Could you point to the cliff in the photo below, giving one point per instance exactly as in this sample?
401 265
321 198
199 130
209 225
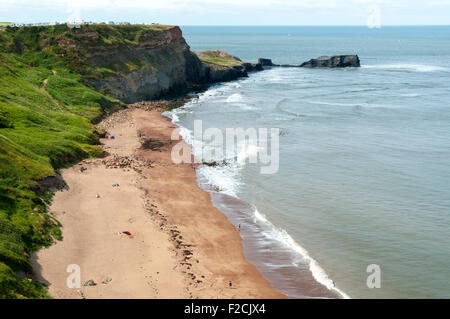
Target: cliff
55 82
135 63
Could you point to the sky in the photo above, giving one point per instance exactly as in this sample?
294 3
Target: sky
232 12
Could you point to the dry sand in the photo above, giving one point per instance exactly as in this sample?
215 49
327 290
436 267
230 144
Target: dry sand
181 245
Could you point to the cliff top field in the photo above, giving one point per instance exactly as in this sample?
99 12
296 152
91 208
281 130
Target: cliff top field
218 57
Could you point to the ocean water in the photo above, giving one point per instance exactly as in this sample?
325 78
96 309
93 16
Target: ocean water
364 173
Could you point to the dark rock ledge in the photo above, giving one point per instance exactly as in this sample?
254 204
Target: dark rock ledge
334 61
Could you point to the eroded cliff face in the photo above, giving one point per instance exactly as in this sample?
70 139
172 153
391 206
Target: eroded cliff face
142 63
152 64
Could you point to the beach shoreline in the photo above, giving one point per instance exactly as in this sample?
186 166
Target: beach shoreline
288 266
180 246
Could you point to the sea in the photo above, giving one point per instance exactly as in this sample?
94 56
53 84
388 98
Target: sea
360 204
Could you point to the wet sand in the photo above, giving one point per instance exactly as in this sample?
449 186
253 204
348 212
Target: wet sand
287 270
181 245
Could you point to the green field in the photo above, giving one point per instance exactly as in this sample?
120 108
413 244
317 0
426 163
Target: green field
38 137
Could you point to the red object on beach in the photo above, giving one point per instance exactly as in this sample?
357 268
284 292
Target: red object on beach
127 233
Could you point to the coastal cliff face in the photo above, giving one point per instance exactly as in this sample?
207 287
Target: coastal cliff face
146 62
150 64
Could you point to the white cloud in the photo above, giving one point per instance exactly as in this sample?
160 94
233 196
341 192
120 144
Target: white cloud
226 11
171 4
160 4
438 3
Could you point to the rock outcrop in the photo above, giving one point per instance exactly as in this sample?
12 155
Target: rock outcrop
146 62
266 62
252 67
335 61
219 73
221 66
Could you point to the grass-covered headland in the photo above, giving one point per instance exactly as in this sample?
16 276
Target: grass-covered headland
47 112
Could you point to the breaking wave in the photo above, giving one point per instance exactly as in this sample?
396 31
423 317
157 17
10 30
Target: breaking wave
406 67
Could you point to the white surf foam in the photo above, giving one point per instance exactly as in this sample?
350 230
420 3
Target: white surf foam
232 85
234 98
337 104
406 67
227 177
284 238
246 151
410 94
246 107
274 79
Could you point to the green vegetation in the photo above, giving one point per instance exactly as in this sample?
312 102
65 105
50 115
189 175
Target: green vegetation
220 61
218 57
39 134
3 24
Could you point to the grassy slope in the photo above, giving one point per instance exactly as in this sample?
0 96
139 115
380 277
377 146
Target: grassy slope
36 137
218 57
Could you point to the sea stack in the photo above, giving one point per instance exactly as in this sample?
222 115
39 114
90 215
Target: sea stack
335 61
265 62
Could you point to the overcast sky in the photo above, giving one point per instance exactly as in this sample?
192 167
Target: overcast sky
230 12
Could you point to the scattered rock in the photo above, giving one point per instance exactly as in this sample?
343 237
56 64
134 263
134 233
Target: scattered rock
90 282
125 162
153 144
215 163
151 105
54 183
106 280
187 252
81 294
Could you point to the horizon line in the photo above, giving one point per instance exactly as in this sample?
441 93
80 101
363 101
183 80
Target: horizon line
264 25
311 25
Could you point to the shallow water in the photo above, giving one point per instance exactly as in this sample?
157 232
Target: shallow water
364 175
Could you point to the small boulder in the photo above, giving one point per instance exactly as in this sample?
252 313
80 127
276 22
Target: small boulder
90 282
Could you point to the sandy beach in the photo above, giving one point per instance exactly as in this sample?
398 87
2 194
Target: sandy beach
180 246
